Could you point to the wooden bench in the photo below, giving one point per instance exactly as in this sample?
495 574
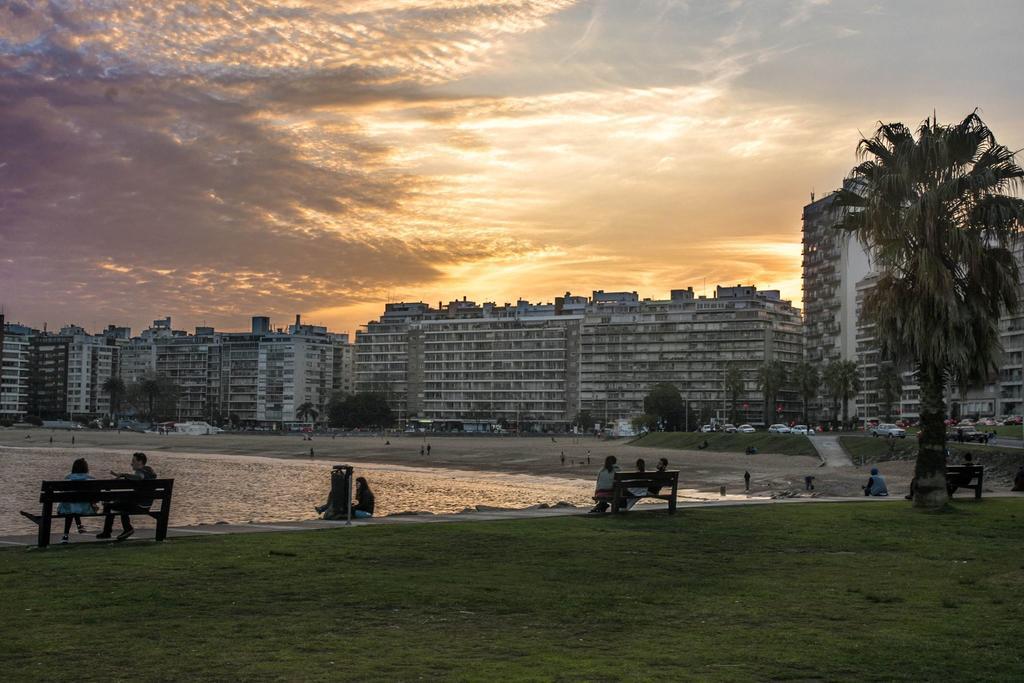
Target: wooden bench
650 482
121 492
961 476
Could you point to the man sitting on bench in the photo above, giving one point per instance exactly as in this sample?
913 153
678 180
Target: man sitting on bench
140 470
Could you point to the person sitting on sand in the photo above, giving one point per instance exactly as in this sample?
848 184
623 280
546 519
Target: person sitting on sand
876 484
605 485
363 506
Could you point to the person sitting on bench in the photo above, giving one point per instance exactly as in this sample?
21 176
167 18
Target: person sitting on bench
1018 480
876 484
662 466
79 472
605 485
140 470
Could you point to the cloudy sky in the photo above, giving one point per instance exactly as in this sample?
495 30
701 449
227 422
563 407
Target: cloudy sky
215 160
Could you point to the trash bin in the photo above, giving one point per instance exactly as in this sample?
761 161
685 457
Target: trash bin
341 492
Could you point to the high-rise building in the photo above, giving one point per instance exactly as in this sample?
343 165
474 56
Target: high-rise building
833 263
629 345
474 363
14 370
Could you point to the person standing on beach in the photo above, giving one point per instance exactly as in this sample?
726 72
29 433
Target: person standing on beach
428 450
563 458
746 481
421 451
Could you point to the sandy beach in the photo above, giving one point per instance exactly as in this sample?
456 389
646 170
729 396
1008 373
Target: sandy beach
703 470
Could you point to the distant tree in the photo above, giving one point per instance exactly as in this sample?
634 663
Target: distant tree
771 377
842 380
154 395
808 382
234 420
734 387
890 388
307 412
360 410
115 388
664 402
644 423
584 421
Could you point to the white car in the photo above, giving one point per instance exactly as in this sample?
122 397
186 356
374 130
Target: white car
729 429
778 429
745 429
707 429
801 429
887 429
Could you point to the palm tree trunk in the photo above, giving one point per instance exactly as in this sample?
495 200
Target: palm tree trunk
930 470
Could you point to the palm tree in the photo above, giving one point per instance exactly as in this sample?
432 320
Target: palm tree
152 389
770 378
307 412
936 213
842 380
890 388
734 386
807 381
115 388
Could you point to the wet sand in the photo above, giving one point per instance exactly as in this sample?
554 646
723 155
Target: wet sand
700 470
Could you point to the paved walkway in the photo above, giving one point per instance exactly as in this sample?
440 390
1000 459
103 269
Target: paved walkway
830 452
146 533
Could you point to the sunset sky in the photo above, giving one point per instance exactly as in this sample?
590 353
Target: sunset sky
217 160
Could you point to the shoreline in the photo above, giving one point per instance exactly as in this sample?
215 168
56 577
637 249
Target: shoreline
702 471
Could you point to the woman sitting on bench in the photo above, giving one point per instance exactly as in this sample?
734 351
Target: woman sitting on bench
605 485
79 472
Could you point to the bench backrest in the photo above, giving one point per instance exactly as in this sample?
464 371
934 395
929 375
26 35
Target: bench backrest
647 478
107 490
964 469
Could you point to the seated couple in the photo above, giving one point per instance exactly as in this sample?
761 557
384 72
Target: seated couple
72 511
606 484
361 508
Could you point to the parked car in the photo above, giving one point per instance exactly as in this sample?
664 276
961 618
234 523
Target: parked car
967 434
987 422
778 429
729 429
706 429
745 429
801 429
888 429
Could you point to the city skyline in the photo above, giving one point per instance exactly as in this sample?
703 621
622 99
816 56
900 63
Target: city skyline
212 163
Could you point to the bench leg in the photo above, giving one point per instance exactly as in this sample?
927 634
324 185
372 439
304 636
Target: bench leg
44 525
161 521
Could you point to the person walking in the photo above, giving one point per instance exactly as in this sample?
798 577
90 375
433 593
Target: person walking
428 450
746 481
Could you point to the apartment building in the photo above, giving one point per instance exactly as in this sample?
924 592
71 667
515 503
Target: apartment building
14 370
466 362
629 345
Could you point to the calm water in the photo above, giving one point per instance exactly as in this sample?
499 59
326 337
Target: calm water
226 488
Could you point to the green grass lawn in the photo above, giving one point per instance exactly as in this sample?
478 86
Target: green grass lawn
784 444
810 591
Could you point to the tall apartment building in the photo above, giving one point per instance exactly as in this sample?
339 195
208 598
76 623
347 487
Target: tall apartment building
293 369
541 364
629 345
14 370
193 363
467 362
91 362
833 263
837 272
